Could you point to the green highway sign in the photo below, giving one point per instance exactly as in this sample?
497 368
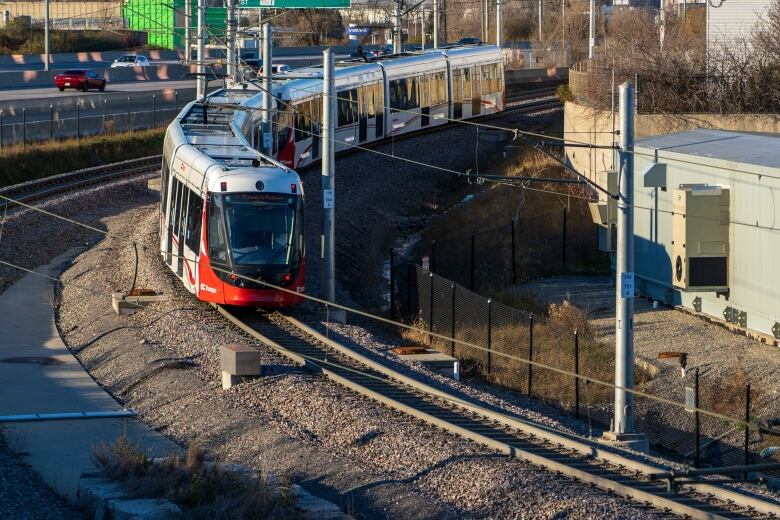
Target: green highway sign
294 4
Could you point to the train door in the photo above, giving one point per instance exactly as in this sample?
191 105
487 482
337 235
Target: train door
476 98
303 133
181 209
164 179
363 96
173 210
425 100
457 93
347 109
440 108
316 129
191 232
379 109
466 99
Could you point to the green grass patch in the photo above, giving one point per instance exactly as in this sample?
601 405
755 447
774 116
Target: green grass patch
36 161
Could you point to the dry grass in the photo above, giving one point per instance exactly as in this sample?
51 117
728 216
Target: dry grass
203 490
35 161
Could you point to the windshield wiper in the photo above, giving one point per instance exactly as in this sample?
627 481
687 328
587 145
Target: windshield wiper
275 256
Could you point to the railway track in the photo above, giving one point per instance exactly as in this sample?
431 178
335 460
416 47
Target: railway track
42 188
560 454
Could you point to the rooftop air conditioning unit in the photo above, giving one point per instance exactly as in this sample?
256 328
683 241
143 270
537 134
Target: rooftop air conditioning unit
700 238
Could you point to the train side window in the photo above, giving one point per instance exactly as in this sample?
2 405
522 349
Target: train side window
181 218
174 213
412 92
215 234
347 107
397 92
302 121
425 90
284 123
466 85
164 177
194 218
371 101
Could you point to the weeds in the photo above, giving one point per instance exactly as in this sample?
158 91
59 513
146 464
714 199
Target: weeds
203 490
35 161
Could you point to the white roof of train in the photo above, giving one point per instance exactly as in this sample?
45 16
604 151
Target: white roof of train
217 151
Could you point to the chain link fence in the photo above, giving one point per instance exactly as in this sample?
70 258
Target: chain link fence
80 117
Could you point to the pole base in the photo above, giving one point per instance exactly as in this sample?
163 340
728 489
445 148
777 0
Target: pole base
629 441
338 316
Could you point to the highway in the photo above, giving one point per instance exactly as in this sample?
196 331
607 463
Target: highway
132 88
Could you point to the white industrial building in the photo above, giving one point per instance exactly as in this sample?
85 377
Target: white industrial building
707 225
729 21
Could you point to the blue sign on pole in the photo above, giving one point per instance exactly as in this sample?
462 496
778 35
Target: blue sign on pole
358 31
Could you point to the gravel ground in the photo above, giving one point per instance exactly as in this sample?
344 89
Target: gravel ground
25 496
30 239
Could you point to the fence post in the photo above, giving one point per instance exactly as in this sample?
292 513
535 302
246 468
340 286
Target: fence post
51 122
563 236
392 284
128 113
696 457
78 120
154 111
24 127
576 373
471 276
433 256
514 259
530 352
452 323
490 336
410 275
430 308
1 132
747 426
176 100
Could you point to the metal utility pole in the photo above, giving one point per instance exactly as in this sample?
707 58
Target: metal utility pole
499 23
685 8
624 276
201 83
46 36
541 18
328 177
592 32
435 24
231 39
397 27
422 32
267 89
187 30
563 31
662 21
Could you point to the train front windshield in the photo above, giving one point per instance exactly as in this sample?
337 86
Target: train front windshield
260 228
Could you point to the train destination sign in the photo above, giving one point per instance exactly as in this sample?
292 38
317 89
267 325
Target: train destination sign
294 4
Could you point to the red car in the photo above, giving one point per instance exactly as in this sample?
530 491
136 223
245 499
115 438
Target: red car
80 80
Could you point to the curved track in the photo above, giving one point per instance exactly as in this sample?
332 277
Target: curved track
579 460
42 188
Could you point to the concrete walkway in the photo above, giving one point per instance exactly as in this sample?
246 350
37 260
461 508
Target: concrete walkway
39 375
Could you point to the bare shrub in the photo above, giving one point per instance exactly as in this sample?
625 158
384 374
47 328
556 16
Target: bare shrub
203 490
416 335
569 317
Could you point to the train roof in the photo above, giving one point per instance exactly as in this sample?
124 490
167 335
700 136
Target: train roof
212 144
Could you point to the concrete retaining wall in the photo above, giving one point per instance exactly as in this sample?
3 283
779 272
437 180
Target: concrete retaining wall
582 124
83 57
537 75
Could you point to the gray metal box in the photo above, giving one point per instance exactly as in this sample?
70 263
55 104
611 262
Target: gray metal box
239 360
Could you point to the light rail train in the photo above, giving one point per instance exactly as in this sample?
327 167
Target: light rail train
385 97
230 215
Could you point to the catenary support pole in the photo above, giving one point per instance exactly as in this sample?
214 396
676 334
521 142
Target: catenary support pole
592 31
46 36
563 32
201 68
328 175
435 24
499 23
187 30
267 97
697 418
624 276
231 39
541 18
397 27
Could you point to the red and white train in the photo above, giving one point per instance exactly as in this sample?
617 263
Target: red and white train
385 97
229 215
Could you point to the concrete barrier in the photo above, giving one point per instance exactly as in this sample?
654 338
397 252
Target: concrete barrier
84 57
536 75
42 78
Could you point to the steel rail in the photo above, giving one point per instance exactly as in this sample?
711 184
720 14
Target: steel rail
585 462
48 186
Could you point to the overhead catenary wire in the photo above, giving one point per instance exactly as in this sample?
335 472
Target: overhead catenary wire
388 321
